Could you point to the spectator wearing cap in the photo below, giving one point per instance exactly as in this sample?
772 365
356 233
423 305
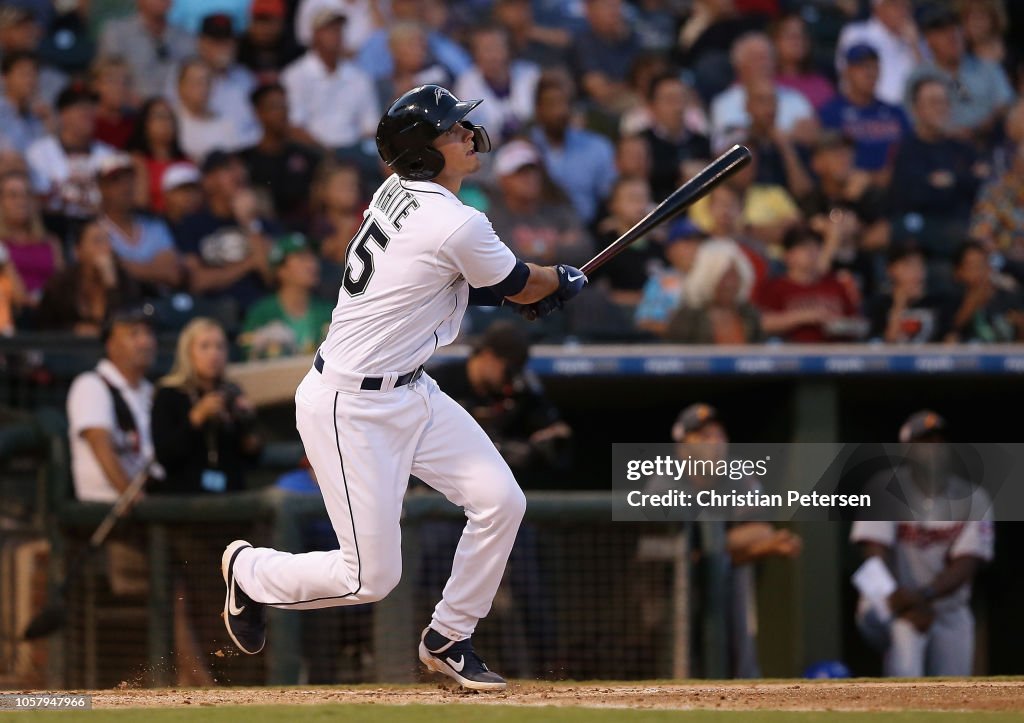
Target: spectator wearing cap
21 31
412 63
142 244
543 45
291 320
321 85
796 62
892 33
988 308
226 243
149 43
200 129
935 176
79 297
979 91
374 56
265 48
907 313
182 194
805 305
665 290
670 143
582 163
154 148
753 59
507 85
22 120
602 53
278 164
876 127
364 17
537 226
34 256
944 536
717 307
111 80
64 164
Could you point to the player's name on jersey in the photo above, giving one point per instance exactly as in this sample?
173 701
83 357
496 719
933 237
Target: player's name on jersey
749 498
395 202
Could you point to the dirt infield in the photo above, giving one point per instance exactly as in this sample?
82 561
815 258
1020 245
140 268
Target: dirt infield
948 695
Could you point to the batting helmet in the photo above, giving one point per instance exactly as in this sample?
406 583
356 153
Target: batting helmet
406 130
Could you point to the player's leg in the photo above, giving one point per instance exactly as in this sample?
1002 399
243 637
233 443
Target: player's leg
951 643
907 647
360 447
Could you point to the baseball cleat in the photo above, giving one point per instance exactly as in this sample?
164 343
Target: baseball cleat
245 619
457 660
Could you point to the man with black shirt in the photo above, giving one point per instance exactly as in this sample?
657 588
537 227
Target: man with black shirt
669 141
265 48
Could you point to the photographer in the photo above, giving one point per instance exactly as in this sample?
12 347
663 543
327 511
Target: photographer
196 409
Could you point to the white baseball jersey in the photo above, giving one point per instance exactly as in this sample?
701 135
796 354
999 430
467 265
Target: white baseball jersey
408 272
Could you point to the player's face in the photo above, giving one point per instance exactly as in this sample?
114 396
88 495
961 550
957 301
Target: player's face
456 145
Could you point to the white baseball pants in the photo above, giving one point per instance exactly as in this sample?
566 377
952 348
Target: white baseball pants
363 445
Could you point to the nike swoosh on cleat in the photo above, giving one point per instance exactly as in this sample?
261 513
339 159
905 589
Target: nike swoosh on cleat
457 666
232 610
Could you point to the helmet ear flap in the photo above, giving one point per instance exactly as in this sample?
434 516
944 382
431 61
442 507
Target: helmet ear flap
423 166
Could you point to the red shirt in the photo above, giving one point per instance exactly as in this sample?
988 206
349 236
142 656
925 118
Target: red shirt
117 132
784 294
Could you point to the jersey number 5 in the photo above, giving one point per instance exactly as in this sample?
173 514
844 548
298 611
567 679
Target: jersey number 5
355 283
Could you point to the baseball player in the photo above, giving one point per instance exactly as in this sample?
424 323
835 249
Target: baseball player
369 416
931 628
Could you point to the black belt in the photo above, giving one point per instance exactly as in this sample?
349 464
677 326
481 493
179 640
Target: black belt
373 383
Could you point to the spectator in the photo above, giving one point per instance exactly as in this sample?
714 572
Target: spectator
374 56
142 244
150 45
546 47
278 164
927 628
796 65
908 313
111 81
706 40
778 161
338 203
200 129
64 164
413 65
753 59
722 214
935 177
986 309
979 91
633 157
190 14
806 305
603 52
671 144
226 243
580 162
654 23
998 216
21 32
891 32
875 126
265 48
290 321
321 85
34 254
154 147
985 23
363 18
507 86
626 275
665 290
182 194
717 308
109 409
203 424
22 116
79 297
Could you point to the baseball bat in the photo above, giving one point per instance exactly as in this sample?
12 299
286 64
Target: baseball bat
680 199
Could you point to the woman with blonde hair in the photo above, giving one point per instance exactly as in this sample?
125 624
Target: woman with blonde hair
203 426
718 308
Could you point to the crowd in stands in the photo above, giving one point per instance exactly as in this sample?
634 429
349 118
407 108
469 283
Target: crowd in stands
214 157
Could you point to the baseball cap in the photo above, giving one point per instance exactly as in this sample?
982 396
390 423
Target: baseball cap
920 424
508 342
287 245
515 156
178 175
218 26
684 229
326 16
859 53
937 17
216 160
75 94
272 8
113 164
133 314
692 419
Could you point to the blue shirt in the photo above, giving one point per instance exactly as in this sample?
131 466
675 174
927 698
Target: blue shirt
18 130
374 57
875 129
188 14
583 166
978 90
154 238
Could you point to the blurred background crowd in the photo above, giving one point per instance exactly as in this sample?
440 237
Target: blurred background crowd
214 157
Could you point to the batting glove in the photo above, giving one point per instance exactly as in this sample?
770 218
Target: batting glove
570 282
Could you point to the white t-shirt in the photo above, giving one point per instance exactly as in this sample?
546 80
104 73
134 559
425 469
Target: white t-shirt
729 118
90 405
407 278
338 109
199 136
68 181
